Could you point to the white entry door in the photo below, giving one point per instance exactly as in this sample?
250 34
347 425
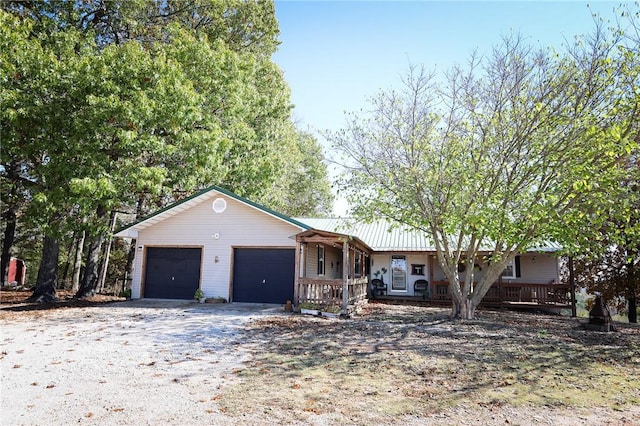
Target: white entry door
398 273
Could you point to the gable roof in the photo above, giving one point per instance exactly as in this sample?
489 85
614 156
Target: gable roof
131 230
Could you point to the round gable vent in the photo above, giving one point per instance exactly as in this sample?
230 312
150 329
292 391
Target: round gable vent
219 205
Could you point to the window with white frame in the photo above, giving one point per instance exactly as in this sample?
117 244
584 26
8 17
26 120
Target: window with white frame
320 260
512 270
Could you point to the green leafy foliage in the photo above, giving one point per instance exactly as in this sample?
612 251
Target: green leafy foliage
129 105
492 158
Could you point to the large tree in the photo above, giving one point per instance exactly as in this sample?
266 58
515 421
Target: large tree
132 104
303 189
36 99
605 245
488 158
603 237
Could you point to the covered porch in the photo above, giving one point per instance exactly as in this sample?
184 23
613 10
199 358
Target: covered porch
331 271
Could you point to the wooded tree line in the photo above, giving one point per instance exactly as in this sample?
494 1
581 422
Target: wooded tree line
123 106
521 145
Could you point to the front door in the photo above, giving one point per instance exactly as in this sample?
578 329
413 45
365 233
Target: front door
398 273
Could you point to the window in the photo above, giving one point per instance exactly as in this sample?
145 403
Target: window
509 271
320 260
512 269
357 267
417 269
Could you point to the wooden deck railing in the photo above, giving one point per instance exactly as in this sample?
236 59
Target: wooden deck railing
358 290
512 293
328 292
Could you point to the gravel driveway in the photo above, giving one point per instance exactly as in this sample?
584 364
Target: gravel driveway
136 362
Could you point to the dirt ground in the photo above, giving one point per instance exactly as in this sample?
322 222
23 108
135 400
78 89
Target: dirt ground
134 362
391 364
399 364
10 297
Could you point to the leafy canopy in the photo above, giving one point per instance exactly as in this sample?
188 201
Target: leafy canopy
488 159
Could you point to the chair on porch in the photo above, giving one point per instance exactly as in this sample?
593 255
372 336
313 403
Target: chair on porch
378 287
421 287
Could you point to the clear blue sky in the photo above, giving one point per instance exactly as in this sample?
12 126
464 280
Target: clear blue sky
336 54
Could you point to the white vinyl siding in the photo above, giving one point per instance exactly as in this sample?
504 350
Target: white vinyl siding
312 260
332 262
380 261
538 269
535 268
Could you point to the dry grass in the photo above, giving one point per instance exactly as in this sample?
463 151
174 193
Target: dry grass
398 362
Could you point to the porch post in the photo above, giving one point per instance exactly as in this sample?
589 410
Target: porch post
296 281
346 270
432 287
572 284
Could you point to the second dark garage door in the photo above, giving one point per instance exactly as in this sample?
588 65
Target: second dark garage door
263 275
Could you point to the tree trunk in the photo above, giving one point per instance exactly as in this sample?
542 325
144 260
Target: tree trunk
91 277
572 286
465 309
67 263
456 308
45 289
469 309
107 252
632 277
77 264
633 310
7 243
89 283
128 270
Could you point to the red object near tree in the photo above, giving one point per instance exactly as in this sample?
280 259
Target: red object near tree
17 271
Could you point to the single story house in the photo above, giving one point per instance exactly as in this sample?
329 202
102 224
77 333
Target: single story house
233 248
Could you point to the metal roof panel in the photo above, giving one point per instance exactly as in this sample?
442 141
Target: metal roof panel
383 236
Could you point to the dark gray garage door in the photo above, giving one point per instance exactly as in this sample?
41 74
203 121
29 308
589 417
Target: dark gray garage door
263 275
172 273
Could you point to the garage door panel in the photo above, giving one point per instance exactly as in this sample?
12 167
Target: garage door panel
172 273
263 275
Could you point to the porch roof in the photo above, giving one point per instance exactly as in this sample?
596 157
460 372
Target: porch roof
382 236
335 238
